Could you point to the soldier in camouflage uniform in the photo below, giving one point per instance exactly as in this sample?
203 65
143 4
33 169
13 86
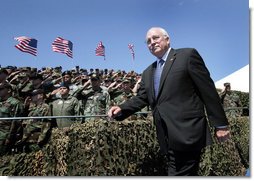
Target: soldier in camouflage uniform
9 129
3 75
36 131
24 85
125 93
96 98
122 94
229 100
66 105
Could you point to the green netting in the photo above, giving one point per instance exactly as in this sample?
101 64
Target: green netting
111 148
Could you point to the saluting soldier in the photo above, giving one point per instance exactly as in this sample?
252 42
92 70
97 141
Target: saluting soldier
66 105
36 131
96 98
9 129
125 93
3 75
230 102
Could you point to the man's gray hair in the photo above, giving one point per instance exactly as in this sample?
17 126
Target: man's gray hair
165 33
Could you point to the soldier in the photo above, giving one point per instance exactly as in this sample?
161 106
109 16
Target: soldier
9 129
66 79
107 82
66 105
124 93
3 75
36 131
25 86
230 100
38 83
96 98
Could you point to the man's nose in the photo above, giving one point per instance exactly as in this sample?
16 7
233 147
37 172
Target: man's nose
153 41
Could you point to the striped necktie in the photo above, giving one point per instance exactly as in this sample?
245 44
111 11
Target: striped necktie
157 76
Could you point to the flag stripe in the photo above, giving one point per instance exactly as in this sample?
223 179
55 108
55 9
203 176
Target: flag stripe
100 50
62 46
131 47
27 45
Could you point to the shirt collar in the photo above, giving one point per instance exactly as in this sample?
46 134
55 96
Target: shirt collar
164 57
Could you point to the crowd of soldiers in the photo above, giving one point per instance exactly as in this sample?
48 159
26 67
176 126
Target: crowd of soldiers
29 92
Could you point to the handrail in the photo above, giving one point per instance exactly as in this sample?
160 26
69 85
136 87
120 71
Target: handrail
50 117
235 108
89 116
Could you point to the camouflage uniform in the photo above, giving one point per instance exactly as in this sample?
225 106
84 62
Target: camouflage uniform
232 100
24 88
120 97
9 129
96 102
35 131
65 107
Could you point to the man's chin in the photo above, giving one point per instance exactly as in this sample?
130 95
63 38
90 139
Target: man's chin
156 54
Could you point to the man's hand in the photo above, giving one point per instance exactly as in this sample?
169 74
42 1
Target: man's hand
114 111
222 134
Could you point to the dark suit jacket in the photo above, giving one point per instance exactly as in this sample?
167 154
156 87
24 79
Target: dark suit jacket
186 95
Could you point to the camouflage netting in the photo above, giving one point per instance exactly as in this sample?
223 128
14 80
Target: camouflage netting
244 97
125 148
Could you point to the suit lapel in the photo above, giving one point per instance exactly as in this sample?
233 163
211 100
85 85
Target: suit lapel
168 64
153 67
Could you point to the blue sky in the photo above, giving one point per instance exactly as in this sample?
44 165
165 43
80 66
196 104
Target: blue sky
218 29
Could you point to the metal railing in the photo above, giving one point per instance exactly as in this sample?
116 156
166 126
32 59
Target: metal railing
89 116
57 117
235 108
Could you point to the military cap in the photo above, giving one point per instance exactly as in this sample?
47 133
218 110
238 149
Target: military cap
126 80
25 68
3 70
37 91
64 84
56 75
226 84
34 69
5 85
66 73
22 74
10 67
95 77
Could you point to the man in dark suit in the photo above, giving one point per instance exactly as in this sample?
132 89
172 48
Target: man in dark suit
178 88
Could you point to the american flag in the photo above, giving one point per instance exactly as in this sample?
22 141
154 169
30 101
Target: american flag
100 50
131 47
62 46
26 44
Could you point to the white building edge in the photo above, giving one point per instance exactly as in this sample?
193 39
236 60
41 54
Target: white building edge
239 80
